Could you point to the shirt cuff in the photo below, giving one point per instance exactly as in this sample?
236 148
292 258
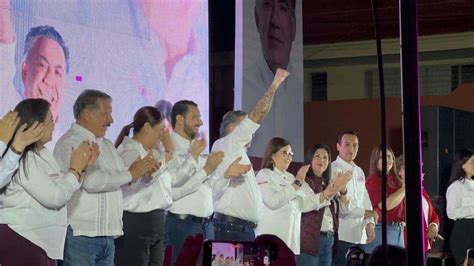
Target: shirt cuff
11 159
72 181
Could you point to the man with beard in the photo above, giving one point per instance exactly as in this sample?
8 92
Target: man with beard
192 208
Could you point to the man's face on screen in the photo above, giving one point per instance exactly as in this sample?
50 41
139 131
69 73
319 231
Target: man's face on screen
276 25
43 72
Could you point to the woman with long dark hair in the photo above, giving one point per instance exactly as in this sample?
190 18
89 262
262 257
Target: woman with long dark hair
318 227
395 199
285 196
460 204
33 216
146 199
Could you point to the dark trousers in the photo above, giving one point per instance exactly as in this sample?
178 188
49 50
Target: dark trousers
142 242
227 231
16 250
462 238
177 230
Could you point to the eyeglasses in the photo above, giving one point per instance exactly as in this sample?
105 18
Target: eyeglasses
288 153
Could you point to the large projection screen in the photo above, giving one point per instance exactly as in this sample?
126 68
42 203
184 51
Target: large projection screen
137 51
269 35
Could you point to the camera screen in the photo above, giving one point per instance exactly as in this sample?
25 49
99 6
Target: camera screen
236 253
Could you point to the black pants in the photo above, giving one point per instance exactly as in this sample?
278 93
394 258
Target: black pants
142 242
462 238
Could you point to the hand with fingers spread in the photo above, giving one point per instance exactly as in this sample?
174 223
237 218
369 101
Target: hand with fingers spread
301 174
26 136
340 181
213 161
236 169
143 167
197 147
8 125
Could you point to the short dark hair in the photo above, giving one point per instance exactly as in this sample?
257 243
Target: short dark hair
180 108
309 158
345 132
88 100
273 146
47 32
396 256
228 119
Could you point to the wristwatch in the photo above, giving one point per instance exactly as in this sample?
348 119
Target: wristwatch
297 182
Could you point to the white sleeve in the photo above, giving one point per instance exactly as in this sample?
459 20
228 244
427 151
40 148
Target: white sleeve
274 196
310 201
50 192
8 164
456 208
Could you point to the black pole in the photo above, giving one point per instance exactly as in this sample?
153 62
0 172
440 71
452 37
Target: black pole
383 125
411 130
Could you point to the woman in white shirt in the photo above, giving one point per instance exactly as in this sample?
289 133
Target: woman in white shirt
9 157
460 204
33 216
146 199
285 196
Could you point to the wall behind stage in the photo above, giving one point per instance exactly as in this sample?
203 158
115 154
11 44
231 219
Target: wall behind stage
277 37
139 52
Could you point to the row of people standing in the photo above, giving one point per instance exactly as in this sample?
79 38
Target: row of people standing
94 183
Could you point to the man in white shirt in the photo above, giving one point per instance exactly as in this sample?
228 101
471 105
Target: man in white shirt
356 222
191 211
238 199
95 211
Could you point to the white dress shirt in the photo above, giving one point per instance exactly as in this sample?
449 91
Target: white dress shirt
351 219
238 196
460 200
195 196
283 205
327 224
8 164
147 193
33 204
96 208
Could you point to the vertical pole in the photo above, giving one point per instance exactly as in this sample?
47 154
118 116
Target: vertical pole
411 130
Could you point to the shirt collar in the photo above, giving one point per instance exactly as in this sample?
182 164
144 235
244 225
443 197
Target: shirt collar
180 142
345 164
83 131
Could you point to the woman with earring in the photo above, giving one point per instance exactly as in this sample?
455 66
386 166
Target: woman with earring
319 227
33 216
285 196
146 199
395 199
460 204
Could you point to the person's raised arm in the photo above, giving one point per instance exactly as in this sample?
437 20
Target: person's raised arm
264 104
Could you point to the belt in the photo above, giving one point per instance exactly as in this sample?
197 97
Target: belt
231 219
401 224
327 234
189 217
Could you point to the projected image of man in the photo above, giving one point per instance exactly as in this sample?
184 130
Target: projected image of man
276 24
43 68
